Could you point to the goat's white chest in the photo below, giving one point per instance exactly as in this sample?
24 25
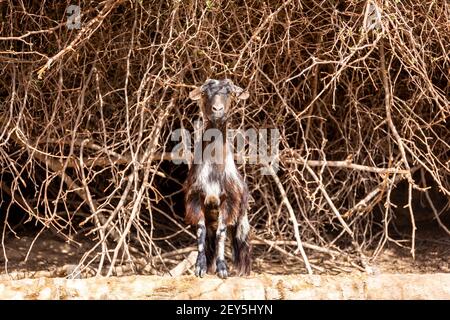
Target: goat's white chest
209 180
206 180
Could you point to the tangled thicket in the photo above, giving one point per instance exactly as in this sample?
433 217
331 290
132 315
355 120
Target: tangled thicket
358 89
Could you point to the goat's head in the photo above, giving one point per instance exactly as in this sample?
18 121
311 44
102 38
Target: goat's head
215 98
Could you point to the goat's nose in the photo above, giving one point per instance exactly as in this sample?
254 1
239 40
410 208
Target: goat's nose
217 107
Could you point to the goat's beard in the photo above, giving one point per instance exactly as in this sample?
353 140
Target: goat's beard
218 122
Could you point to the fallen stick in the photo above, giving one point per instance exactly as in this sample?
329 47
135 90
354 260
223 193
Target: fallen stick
184 265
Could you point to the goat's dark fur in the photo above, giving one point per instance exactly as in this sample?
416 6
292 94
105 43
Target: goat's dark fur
215 193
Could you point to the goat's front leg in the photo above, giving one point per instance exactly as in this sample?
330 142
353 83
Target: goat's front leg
200 265
221 266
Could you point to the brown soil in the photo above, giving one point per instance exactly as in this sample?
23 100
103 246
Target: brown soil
51 256
396 275
432 254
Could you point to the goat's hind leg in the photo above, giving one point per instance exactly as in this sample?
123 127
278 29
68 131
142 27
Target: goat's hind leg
201 264
241 246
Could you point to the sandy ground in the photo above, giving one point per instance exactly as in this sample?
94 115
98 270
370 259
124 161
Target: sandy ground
50 253
261 287
31 274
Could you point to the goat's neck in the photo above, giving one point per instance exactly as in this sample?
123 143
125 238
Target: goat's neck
222 127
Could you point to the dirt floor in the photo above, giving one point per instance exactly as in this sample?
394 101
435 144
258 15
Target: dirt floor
432 253
50 256
42 272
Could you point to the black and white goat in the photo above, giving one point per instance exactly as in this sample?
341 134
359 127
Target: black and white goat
215 192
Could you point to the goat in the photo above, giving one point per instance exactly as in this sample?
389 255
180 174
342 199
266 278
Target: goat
216 195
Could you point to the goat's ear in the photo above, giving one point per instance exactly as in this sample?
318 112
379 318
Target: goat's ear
241 94
196 94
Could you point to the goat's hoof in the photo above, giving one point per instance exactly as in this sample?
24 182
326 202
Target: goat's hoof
221 268
200 266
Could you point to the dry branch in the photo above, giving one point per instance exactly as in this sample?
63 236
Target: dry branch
359 92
